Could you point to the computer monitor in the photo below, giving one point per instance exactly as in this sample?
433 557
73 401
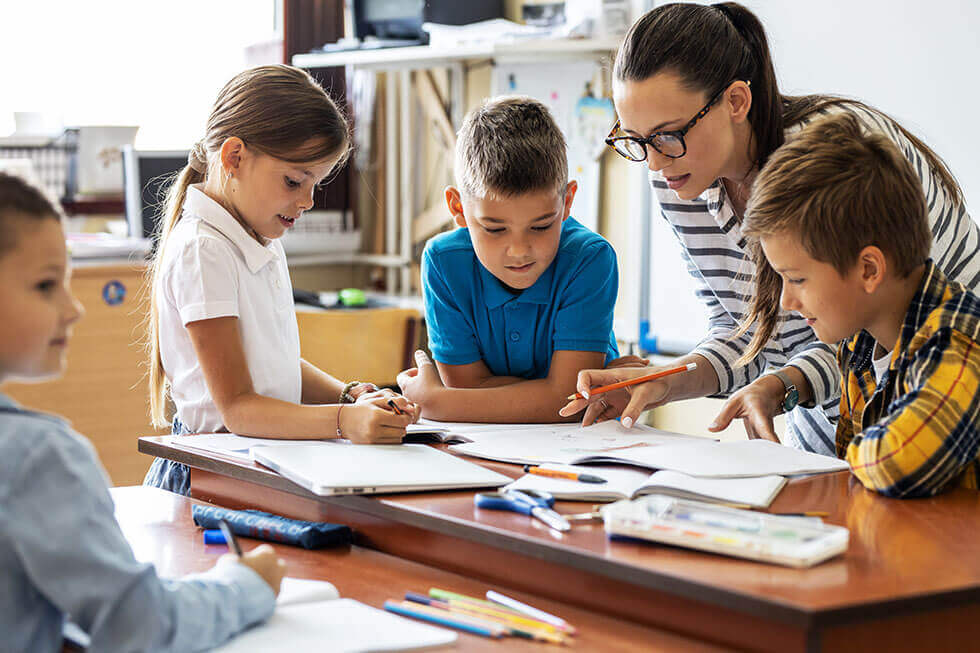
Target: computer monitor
146 177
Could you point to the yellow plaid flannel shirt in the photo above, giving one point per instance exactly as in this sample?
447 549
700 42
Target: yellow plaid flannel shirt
920 432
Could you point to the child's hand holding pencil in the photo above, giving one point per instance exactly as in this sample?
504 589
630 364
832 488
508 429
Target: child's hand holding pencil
610 393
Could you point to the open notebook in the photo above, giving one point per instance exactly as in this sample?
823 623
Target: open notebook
757 492
310 616
694 456
238 446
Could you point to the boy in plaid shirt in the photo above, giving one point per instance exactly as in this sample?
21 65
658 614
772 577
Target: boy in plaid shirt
838 222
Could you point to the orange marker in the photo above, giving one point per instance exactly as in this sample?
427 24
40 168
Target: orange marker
572 476
639 379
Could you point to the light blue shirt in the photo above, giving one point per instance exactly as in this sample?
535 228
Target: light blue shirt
64 556
470 315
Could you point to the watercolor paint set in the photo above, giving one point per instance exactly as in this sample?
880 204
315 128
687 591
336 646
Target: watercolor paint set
791 541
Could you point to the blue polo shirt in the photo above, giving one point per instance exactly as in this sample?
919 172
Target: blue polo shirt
470 315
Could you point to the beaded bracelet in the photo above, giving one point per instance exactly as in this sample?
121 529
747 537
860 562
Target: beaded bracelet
345 397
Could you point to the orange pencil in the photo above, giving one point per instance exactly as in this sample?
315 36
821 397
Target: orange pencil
639 379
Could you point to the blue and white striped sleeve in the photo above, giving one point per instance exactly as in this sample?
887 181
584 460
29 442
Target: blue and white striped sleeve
721 350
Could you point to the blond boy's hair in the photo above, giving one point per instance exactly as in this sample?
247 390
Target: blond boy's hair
510 146
839 189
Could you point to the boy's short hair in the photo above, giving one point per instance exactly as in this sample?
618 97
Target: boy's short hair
510 146
841 188
21 198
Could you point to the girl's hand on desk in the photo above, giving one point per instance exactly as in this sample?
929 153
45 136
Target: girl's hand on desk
263 561
373 422
384 399
420 384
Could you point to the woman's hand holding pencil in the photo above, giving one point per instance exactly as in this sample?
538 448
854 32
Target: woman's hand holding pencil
627 392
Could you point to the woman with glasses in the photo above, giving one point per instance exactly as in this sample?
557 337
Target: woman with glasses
696 95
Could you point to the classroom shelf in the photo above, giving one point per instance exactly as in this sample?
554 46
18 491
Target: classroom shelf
427 56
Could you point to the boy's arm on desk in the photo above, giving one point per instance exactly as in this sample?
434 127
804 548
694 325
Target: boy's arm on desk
495 399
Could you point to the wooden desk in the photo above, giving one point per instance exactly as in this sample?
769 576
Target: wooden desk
910 579
158 525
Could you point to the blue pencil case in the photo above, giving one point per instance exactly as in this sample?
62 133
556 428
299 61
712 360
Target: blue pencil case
273 528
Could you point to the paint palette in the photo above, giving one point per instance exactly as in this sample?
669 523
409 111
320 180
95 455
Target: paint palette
791 541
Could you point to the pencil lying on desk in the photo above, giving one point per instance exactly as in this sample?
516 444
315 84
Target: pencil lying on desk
639 379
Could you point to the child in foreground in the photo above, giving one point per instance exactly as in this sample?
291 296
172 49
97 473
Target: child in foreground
62 552
840 216
520 297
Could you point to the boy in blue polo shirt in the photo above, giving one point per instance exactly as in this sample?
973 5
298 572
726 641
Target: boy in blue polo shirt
520 297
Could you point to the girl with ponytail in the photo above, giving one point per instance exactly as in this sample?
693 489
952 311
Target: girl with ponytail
223 338
696 94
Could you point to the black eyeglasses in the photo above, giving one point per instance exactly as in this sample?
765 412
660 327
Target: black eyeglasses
669 143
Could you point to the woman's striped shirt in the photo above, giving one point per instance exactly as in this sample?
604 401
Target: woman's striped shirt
714 250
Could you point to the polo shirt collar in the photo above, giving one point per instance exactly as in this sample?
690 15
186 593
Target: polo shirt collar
496 294
199 204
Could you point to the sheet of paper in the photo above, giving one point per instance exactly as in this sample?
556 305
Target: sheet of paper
339 625
466 428
737 459
237 446
303 590
566 443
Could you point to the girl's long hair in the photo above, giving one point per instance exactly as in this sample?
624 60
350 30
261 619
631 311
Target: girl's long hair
709 47
276 110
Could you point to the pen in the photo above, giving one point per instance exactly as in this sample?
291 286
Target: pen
808 513
555 473
394 407
230 538
639 379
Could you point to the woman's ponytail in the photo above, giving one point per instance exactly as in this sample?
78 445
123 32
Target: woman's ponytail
766 113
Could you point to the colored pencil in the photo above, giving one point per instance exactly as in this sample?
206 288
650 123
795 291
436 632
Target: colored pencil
639 379
444 618
394 407
528 630
494 611
541 615
808 513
